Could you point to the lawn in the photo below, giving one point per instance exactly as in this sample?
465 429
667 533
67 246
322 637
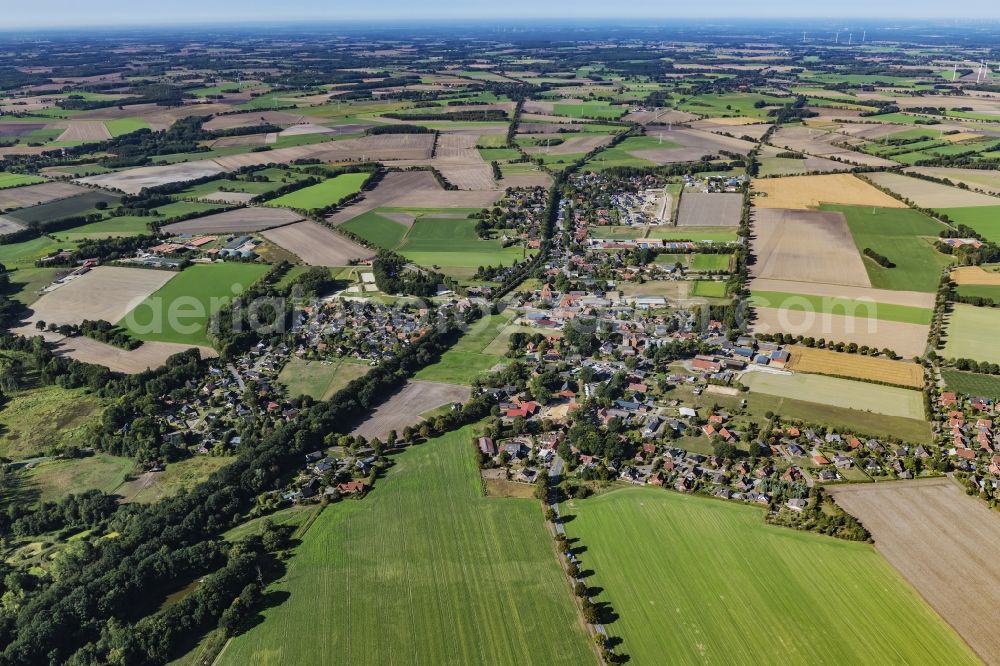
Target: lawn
424 570
120 126
323 194
972 333
55 479
706 581
8 180
861 396
905 237
41 420
710 262
377 229
25 254
180 310
990 291
971 384
320 380
709 289
842 306
469 357
30 281
984 219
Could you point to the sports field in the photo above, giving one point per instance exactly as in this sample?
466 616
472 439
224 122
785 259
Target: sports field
905 237
709 289
972 333
842 306
323 194
180 310
857 366
706 581
862 396
424 570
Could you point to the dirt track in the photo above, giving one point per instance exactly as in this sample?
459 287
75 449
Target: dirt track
405 407
943 543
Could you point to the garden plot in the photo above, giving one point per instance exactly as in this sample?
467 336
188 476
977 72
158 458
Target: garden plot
132 181
804 192
702 209
33 195
926 194
241 219
805 246
106 292
939 540
406 405
907 340
316 245
413 189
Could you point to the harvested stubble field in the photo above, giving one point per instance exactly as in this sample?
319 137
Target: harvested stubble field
694 145
805 246
940 541
971 332
316 245
805 192
241 219
926 194
973 275
983 179
84 130
573 145
826 362
426 544
413 189
907 340
820 143
132 181
694 580
106 292
846 393
32 195
406 405
701 209
150 355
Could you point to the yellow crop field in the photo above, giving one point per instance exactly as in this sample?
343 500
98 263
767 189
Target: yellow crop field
804 192
825 362
974 275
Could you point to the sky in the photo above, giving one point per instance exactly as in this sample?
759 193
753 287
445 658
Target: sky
68 13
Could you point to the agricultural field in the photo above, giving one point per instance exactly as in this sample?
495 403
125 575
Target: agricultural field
698 209
234 221
38 421
731 105
988 291
905 237
971 333
985 275
806 192
934 536
180 310
864 308
24 254
33 195
113 227
855 366
178 476
378 229
407 405
971 384
53 480
320 380
323 194
988 180
696 578
984 219
598 110
861 396
468 357
453 570
926 194
81 204
9 180
316 245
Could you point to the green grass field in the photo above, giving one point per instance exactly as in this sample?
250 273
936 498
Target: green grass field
971 332
193 296
55 479
906 237
620 154
120 126
320 380
862 396
600 110
990 291
842 306
469 357
112 227
703 581
424 570
971 384
39 420
377 229
984 219
731 105
709 289
454 244
323 194
178 476
29 282
710 262
8 180
499 154
25 254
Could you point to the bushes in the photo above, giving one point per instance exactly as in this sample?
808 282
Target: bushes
879 259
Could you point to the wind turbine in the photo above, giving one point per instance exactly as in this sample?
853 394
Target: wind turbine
864 36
